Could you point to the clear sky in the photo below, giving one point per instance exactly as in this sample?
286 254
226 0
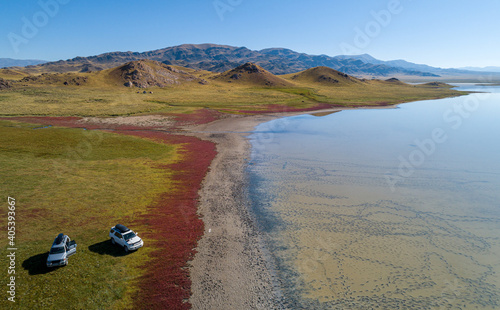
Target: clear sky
444 33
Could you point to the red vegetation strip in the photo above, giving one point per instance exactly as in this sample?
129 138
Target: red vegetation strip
176 226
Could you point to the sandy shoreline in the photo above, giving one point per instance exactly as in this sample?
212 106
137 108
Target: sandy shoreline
230 269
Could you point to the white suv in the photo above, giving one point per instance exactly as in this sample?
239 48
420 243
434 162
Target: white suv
125 237
61 249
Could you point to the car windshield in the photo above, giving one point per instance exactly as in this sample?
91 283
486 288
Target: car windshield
57 250
129 236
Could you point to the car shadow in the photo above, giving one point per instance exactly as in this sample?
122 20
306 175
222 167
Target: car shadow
37 264
107 248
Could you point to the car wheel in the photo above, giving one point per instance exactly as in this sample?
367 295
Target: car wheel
113 241
125 248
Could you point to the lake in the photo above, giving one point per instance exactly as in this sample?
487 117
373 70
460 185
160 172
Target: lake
384 208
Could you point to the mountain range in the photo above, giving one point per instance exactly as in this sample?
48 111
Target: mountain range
483 69
220 58
9 62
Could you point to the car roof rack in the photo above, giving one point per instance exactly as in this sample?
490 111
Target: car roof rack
59 239
121 228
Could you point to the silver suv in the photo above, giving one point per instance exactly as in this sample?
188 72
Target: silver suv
61 249
125 238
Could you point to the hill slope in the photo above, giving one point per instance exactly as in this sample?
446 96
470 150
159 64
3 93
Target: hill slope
148 73
323 75
141 73
252 74
4 84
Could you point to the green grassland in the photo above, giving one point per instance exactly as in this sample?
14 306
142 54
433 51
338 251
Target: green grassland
79 183
376 93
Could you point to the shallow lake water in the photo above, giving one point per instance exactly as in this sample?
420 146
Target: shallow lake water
384 208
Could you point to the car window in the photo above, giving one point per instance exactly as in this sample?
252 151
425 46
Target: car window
129 235
118 235
57 250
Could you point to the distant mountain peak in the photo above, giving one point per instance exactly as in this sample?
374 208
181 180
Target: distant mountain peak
363 57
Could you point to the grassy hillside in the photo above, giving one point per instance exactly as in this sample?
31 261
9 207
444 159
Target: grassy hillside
247 87
251 74
12 74
323 76
149 73
379 93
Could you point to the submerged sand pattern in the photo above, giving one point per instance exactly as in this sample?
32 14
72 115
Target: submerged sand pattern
335 251
340 238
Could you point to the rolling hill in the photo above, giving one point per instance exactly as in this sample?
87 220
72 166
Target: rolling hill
150 73
141 74
4 84
243 89
323 75
252 74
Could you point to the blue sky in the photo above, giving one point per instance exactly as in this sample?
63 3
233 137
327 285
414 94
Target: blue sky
441 33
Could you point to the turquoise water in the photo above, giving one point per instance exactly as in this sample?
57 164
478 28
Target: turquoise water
384 207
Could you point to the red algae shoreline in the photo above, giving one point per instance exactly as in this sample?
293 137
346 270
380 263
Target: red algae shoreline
176 225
